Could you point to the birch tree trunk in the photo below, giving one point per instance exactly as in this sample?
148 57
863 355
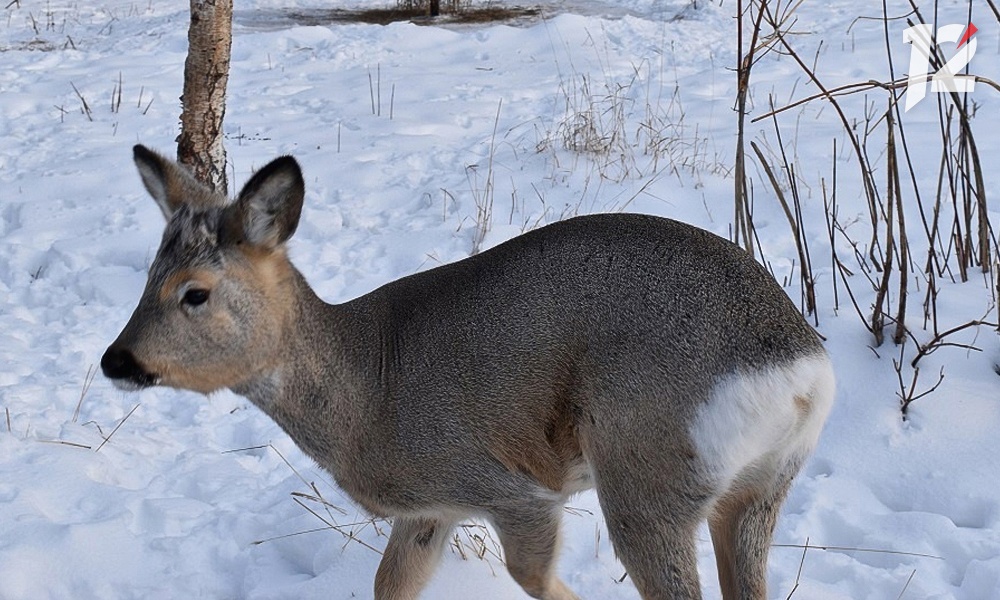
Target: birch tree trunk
206 72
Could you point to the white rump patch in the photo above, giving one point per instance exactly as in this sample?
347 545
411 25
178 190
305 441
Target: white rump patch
774 414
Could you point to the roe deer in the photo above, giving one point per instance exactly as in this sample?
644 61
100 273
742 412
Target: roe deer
641 356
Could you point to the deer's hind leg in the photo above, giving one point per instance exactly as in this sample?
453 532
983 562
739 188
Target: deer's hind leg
742 523
653 529
743 517
653 501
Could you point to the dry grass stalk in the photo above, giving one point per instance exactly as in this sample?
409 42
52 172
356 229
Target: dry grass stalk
88 379
84 107
907 584
828 548
65 443
795 222
116 95
117 427
484 197
798 574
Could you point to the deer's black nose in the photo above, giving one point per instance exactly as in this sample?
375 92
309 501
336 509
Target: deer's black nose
120 366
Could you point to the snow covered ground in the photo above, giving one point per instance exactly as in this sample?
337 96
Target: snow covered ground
407 135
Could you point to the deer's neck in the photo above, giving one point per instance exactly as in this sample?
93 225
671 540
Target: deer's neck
318 390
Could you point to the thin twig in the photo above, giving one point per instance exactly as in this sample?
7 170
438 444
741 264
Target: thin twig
86 107
798 575
852 549
285 460
909 396
894 195
864 86
996 12
65 443
88 379
116 95
937 341
907 584
248 448
484 202
117 427
744 67
319 499
288 535
805 275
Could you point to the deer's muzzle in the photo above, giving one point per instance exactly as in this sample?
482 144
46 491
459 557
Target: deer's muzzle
121 367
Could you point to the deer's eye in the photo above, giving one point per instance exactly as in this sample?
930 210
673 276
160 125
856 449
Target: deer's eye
195 297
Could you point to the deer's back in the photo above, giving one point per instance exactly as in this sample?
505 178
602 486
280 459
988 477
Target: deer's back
631 290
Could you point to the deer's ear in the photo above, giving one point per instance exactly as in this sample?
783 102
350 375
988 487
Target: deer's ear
271 202
170 184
